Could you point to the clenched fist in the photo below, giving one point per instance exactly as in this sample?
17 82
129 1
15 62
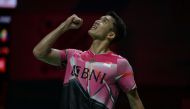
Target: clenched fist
72 22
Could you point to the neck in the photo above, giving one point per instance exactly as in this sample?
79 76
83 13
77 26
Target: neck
99 47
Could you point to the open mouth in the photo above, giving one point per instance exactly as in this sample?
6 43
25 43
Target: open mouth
94 27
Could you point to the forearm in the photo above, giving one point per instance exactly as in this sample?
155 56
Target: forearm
44 46
134 100
136 104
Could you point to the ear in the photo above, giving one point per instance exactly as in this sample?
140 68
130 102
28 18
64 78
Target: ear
111 35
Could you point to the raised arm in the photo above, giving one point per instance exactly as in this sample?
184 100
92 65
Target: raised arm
44 51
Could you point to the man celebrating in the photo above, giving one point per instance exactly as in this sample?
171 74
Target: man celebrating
93 78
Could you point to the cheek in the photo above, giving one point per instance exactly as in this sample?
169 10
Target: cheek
100 32
104 31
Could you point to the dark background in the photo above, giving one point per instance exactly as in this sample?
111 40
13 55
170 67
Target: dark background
157 47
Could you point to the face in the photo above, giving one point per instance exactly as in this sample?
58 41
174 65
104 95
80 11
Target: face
102 28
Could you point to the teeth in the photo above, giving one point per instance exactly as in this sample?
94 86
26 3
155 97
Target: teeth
94 27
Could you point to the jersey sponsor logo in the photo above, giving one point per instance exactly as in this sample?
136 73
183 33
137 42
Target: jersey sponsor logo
87 74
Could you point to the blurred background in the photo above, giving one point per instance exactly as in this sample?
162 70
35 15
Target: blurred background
157 47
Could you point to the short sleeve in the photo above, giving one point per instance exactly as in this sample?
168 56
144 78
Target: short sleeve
63 55
125 78
66 54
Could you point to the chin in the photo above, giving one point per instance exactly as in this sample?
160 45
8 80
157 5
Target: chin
91 34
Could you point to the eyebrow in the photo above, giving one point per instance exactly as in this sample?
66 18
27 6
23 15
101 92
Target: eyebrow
104 17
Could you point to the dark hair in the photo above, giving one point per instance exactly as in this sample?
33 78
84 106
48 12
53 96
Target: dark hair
119 26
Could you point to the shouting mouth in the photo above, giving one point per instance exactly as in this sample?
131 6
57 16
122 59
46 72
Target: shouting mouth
94 26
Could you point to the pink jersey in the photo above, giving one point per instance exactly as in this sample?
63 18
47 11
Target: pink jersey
99 75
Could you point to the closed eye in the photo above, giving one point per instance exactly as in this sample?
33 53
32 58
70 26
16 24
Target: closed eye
104 19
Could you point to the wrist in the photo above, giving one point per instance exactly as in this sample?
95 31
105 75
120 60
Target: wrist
62 28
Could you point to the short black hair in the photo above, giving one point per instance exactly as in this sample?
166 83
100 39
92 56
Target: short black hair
119 26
